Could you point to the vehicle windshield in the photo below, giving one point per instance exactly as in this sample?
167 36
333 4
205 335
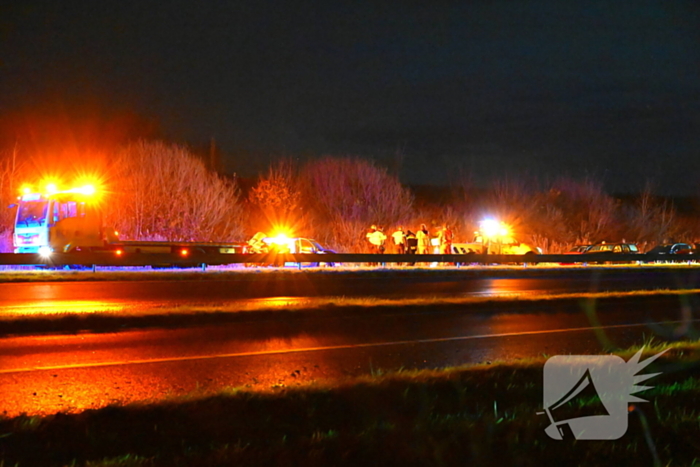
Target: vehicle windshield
32 213
316 245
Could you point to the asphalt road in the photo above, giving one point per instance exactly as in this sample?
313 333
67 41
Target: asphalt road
40 375
100 295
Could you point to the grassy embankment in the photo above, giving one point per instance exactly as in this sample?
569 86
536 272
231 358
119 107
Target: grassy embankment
479 415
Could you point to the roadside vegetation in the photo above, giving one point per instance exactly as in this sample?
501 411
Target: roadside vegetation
156 190
477 415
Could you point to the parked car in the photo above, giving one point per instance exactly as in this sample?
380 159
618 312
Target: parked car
612 249
673 249
297 245
682 250
615 248
576 250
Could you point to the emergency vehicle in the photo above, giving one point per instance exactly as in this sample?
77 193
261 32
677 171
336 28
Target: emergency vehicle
494 238
68 221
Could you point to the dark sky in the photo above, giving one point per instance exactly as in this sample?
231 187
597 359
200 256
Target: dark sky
609 89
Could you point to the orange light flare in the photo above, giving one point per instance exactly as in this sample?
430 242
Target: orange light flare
51 188
282 240
60 307
87 190
495 230
280 302
119 252
91 190
92 185
184 252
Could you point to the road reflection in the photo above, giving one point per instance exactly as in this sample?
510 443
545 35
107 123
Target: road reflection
275 302
515 287
44 375
54 307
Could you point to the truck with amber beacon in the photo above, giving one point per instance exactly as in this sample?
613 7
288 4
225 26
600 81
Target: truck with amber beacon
51 220
70 220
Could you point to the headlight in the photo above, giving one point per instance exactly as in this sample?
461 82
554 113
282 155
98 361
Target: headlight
45 251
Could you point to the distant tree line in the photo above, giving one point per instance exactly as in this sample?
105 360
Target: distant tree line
161 191
338 198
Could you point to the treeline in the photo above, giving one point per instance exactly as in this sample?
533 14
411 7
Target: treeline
337 198
160 191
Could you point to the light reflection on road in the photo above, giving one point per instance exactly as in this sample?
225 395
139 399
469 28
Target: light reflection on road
42 375
122 297
64 298
53 307
275 302
504 287
47 302
156 364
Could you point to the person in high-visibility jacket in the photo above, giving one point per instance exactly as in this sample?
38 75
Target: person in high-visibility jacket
377 239
399 238
423 237
445 238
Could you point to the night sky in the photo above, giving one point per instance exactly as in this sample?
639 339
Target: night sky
609 89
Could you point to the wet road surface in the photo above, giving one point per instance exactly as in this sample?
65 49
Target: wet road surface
54 297
40 375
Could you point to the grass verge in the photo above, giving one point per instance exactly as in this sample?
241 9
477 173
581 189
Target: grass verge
479 415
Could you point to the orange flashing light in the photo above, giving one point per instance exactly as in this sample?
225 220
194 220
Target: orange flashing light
48 188
280 239
87 190
119 252
184 252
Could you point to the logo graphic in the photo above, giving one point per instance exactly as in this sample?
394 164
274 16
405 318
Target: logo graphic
587 396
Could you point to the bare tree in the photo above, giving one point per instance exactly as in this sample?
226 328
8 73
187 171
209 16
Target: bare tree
349 194
162 191
10 170
587 212
652 220
549 228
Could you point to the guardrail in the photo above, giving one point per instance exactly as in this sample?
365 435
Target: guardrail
202 259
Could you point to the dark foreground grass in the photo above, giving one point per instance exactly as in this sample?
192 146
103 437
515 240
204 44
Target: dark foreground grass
483 415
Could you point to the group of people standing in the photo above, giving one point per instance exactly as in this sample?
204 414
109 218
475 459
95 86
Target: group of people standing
408 242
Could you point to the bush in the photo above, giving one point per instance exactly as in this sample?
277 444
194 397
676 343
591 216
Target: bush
163 192
347 195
